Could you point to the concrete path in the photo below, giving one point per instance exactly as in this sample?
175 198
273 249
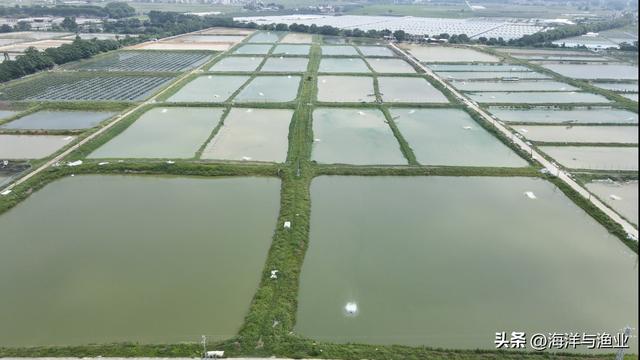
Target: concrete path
632 232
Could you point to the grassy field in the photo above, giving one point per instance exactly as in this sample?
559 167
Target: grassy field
277 300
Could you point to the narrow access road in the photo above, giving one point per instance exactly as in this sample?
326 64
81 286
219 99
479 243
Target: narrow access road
632 232
101 131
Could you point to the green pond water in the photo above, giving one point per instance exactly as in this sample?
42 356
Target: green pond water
525 85
173 132
253 49
342 65
477 67
594 157
209 88
580 134
376 51
544 115
292 49
449 54
237 63
264 37
397 66
409 89
537 97
252 134
270 89
280 64
596 71
329 50
353 136
31 146
451 137
466 75
346 89
621 196
75 268
428 262
58 120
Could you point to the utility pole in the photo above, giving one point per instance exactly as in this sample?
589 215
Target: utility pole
204 345
620 354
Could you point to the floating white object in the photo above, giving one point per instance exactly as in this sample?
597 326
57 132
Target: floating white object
274 274
68 138
361 112
324 81
524 130
615 197
215 354
316 140
103 163
170 162
246 158
75 163
530 194
209 77
467 127
287 224
249 110
261 94
412 111
351 308
6 192
72 175
164 110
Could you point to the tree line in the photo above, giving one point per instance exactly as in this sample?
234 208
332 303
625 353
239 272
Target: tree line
113 10
33 60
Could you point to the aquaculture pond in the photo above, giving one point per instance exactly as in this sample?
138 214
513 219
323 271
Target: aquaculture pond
409 90
466 75
525 85
548 97
621 196
251 135
58 120
334 50
287 49
449 54
346 89
171 132
237 63
594 157
280 64
343 65
451 137
398 66
264 37
253 49
270 89
209 88
14 147
443 283
477 67
72 259
7 113
353 136
618 86
596 71
580 134
376 51
545 115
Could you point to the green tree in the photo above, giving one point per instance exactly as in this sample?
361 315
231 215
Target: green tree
119 10
400 35
69 24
